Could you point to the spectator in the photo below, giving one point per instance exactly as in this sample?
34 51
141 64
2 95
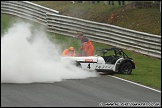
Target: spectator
112 2
72 2
98 1
119 2
123 2
87 48
69 52
93 2
79 1
105 2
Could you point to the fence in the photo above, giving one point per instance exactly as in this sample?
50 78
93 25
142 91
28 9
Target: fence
136 41
27 10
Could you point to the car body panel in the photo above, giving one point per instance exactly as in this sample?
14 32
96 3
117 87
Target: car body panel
102 63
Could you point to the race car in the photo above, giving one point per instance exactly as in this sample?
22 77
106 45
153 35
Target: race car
106 60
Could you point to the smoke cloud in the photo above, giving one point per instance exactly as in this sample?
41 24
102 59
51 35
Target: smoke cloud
28 56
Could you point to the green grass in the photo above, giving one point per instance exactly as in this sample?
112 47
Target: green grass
5 23
148 69
144 20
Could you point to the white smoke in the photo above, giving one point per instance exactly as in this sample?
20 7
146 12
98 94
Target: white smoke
28 56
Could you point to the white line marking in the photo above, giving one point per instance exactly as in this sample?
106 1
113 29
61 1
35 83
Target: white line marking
136 83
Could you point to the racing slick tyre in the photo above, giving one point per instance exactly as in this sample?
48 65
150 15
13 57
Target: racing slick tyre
78 65
125 68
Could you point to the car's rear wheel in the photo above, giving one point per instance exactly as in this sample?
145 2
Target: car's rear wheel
125 68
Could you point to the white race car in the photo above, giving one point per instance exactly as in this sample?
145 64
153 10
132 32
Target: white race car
117 61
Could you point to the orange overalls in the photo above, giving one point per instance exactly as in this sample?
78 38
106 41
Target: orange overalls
68 52
88 48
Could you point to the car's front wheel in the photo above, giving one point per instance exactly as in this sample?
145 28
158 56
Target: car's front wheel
125 68
78 65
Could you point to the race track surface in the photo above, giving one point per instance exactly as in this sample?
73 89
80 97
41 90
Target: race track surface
90 92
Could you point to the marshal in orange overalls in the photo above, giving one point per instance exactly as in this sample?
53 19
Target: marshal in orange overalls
69 52
87 46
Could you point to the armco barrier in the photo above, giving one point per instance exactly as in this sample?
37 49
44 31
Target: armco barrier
144 43
26 10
